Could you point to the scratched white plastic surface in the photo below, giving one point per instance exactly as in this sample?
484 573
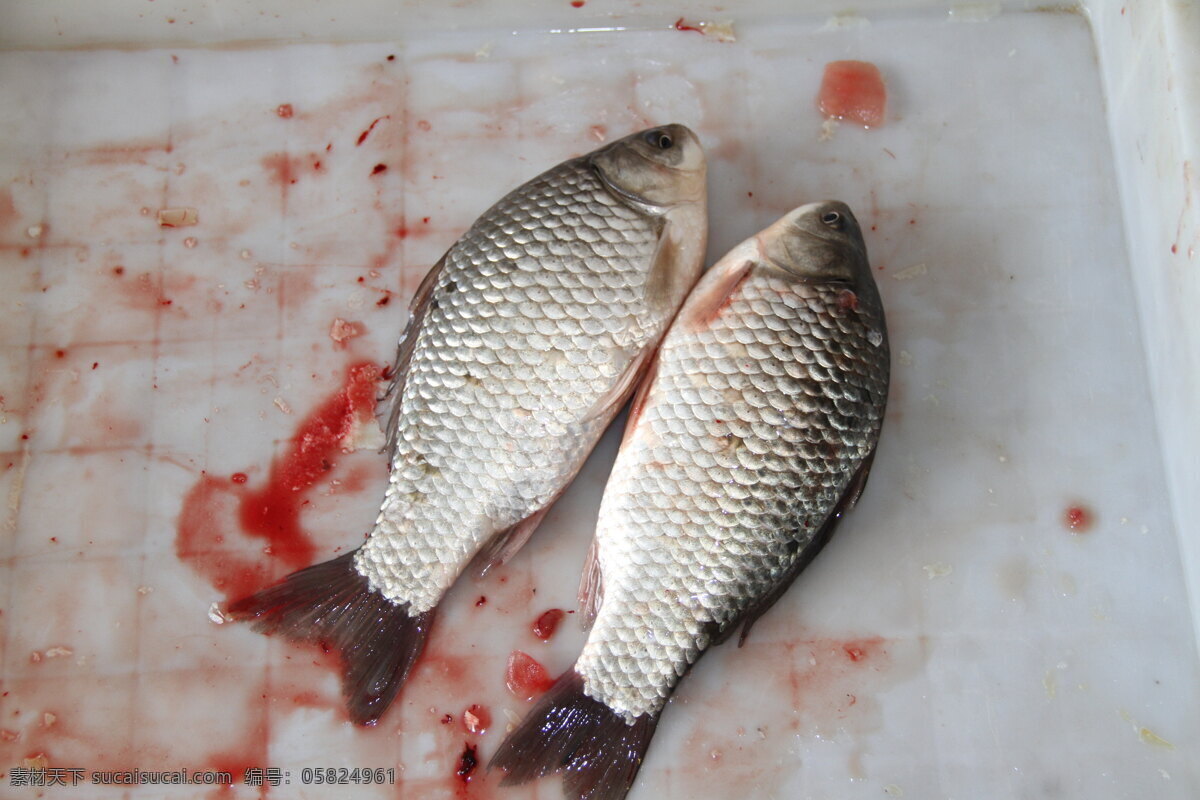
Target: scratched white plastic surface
955 640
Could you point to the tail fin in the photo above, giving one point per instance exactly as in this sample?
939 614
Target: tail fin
333 605
598 752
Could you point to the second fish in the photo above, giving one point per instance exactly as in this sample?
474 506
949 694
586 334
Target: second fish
524 341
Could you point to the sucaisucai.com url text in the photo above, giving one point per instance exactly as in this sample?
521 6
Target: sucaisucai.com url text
137 777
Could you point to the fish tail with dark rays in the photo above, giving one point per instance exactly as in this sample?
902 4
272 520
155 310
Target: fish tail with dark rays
331 604
596 750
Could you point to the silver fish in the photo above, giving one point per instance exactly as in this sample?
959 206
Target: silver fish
751 438
523 342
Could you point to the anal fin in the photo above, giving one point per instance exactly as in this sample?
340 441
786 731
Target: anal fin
506 543
591 586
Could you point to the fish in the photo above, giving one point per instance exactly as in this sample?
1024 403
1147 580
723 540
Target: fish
752 435
523 342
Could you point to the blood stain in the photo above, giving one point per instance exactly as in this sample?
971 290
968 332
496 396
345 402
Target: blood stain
362 137
854 651
525 677
578 3
281 168
379 168
238 477
272 512
285 111
853 91
681 25
1078 519
481 601
546 624
467 763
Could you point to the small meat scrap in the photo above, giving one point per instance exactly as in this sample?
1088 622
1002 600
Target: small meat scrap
853 91
341 330
178 217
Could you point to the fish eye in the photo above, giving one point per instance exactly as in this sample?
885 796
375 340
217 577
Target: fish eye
660 139
833 219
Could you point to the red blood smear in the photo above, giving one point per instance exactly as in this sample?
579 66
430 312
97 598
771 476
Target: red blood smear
362 137
545 625
271 512
481 601
285 111
680 25
577 3
8 210
466 763
1078 519
525 677
379 168
282 169
853 91
238 477
477 719
854 652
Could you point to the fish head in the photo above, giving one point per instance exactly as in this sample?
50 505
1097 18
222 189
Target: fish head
656 168
818 242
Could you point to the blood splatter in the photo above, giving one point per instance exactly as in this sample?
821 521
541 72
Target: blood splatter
854 651
525 677
546 624
362 137
379 168
467 763
681 25
281 168
481 601
1078 519
847 300
578 3
285 111
853 91
477 719
272 512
